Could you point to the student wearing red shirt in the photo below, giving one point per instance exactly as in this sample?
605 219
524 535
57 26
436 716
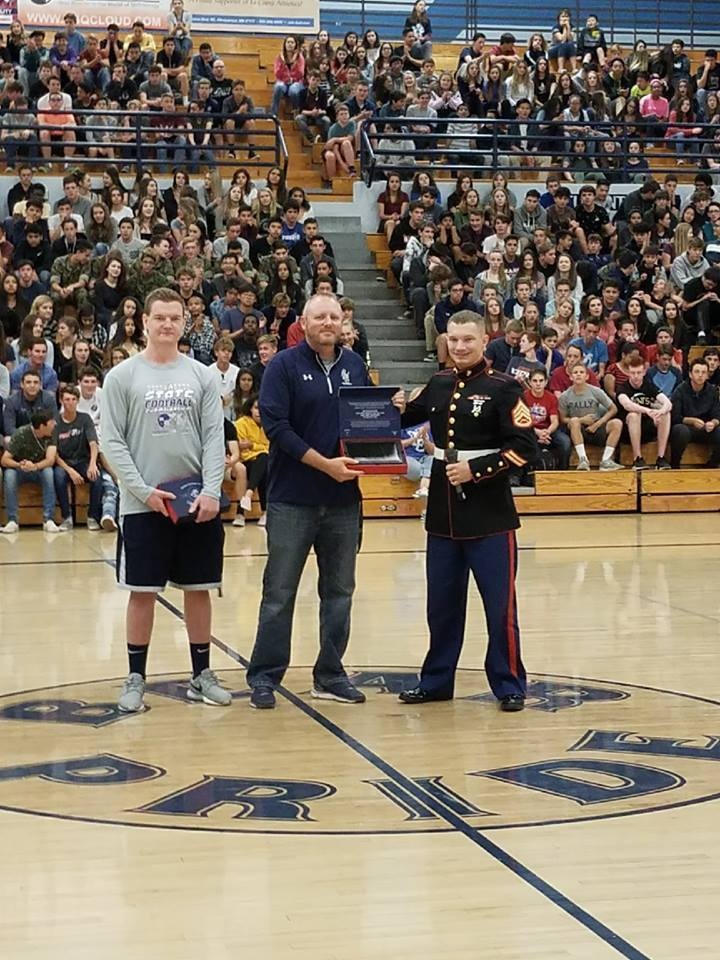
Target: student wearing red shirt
560 381
626 333
663 338
543 408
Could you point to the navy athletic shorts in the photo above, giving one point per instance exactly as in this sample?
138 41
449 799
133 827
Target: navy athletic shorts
152 551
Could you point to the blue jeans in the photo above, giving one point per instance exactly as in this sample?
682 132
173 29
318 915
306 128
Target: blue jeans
62 485
13 478
562 444
290 90
684 144
563 50
100 79
26 150
172 149
292 529
183 45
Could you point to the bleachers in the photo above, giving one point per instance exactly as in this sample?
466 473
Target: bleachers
251 59
556 492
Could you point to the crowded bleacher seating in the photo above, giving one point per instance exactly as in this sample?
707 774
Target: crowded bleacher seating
538 184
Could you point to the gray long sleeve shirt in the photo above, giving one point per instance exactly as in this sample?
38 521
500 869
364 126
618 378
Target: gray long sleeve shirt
162 422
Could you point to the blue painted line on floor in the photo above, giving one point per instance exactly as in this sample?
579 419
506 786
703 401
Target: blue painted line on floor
555 896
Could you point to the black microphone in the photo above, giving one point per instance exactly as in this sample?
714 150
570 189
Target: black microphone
451 456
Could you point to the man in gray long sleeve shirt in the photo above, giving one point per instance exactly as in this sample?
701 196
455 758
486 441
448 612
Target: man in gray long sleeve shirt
162 422
690 265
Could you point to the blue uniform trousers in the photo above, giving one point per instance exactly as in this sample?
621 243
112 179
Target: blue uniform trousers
493 561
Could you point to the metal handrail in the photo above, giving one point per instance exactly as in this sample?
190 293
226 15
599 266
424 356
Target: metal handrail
273 152
497 144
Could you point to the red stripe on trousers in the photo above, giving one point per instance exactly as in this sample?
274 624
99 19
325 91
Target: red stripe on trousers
511 641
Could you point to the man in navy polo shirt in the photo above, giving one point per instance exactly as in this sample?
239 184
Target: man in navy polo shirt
313 501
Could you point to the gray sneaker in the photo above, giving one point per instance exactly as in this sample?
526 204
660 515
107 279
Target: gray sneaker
583 464
67 524
608 465
131 697
206 688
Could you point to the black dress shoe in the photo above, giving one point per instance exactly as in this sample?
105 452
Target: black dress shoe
512 704
418 695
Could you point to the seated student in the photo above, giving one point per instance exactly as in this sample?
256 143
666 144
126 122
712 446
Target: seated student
515 305
590 416
547 353
279 316
246 354
57 127
235 472
225 371
712 355
663 338
526 362
267 347
173 65
419 449
70 276
29 458
594 350
76 459
35 363
664 373
646 411
292 230
254 448
695 415
701 304
340 146
436 321
200 331
144 41
360 344
543 407
501 350
618 372
18 408
552 184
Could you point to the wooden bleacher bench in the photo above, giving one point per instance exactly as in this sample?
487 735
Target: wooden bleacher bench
30 505
695 455
679 491
378 246
390 497
572 491
556 492
376 242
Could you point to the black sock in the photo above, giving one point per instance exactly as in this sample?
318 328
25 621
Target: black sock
137 658
200 656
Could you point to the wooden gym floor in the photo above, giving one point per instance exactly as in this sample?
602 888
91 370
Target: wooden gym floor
583 828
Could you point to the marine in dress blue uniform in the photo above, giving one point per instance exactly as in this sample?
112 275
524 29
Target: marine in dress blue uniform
479 413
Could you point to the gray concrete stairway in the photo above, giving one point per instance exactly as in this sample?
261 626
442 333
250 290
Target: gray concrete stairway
394 349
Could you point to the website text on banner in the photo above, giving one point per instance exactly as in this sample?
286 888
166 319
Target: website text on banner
224 16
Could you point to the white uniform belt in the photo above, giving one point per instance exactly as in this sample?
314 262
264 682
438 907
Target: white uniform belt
466 454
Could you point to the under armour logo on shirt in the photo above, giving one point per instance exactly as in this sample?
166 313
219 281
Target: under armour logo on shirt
307 376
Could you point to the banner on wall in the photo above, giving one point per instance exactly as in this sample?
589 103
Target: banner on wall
220 16
8 11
